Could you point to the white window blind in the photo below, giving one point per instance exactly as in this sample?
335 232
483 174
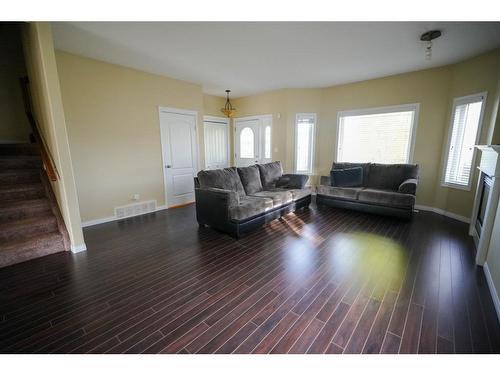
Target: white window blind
465 125
216 145
304 142
381 135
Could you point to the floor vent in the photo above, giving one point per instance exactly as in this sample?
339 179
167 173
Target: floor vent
135 209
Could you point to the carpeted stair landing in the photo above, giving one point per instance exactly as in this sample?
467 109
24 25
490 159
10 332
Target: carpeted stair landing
28 224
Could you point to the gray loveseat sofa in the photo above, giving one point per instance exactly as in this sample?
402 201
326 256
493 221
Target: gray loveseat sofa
237 200
387 189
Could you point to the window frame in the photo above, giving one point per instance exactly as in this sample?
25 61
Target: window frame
467 99
415 107
312 142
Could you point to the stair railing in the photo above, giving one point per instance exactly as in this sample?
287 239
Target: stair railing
48 163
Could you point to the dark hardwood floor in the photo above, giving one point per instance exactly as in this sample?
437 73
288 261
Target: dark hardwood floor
320 280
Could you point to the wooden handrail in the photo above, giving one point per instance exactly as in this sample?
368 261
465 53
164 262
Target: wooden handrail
48 164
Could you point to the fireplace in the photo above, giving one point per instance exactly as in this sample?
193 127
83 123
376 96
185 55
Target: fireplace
485 187
486 200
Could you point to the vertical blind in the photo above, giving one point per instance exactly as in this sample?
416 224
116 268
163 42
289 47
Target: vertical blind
216 145
464 131
304 142
376 137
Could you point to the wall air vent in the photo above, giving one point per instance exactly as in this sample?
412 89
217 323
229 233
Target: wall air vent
135 209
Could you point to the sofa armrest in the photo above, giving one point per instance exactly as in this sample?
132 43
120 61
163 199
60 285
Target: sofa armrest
325 180
408 186
212 205
292 181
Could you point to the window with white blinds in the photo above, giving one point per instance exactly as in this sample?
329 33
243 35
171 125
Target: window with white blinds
464 133
381 135
305 124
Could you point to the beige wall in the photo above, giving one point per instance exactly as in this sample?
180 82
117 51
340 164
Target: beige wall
470 77
434 89
429 88
14 126
48 110
114 131
112 111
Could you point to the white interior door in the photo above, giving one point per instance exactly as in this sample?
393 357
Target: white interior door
216 136
252 140
179 148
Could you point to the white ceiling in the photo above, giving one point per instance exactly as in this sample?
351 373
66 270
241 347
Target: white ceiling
253 57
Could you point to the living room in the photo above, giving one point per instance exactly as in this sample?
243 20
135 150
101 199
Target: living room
250 187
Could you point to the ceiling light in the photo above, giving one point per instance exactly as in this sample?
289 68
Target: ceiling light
428 37
228 109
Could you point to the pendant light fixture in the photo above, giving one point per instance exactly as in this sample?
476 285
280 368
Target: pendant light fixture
428 37
228 109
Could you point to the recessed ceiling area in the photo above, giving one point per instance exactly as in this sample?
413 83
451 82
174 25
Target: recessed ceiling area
254 57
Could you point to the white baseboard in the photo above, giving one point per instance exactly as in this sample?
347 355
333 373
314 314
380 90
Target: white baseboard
79 248
108 219
493 289
443 212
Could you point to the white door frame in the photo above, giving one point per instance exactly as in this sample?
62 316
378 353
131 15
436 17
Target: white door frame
178 112
222 120
261 135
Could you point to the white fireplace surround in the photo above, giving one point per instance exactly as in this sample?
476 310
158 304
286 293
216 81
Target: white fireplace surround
489 166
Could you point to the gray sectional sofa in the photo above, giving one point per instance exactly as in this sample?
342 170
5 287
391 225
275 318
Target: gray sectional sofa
237 200
387 189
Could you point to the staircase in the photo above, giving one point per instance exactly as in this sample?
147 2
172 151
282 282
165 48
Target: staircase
30 223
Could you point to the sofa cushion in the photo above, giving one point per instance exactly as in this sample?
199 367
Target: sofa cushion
300 193
390 176
226 178
270 173
250 179
365 166
386 198
292 181
350 193
349 177
279 197
249 207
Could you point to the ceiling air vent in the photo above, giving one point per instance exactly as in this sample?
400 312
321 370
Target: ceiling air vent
135 209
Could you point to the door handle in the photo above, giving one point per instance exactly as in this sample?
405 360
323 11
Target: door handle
168 166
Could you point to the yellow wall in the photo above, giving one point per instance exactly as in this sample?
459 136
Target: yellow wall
434 89
49 113
114 131
470 77
14 126
113 125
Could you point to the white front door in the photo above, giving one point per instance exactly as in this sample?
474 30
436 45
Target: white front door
252 140
247 142
216 136
179 148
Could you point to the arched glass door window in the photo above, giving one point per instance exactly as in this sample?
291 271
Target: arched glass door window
247 143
